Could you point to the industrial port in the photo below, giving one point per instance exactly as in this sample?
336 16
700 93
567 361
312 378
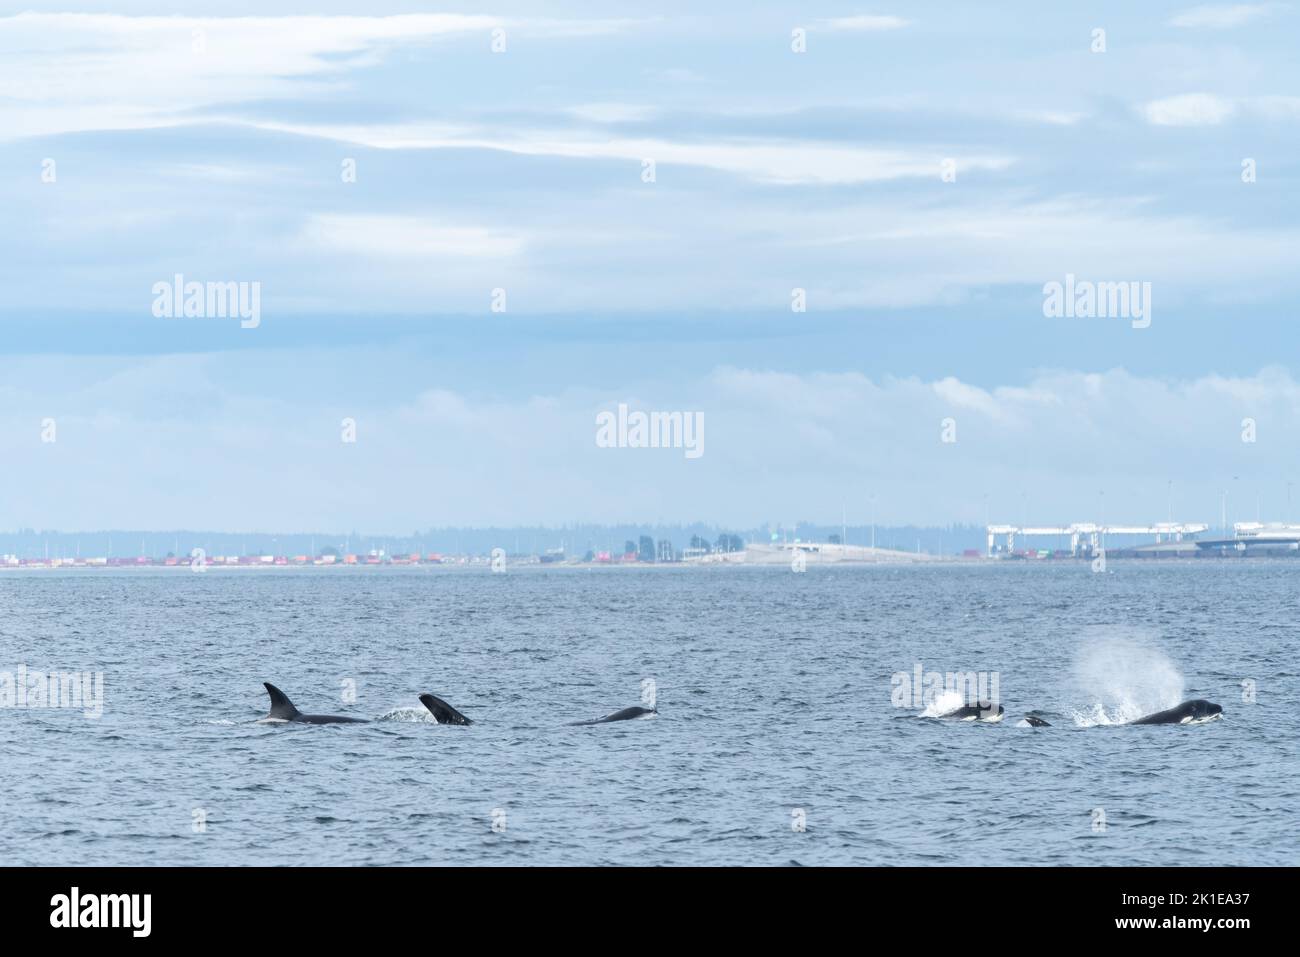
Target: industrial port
1077 541
1171 540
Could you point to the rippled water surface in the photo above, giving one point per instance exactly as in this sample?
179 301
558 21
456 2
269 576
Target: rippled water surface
774 691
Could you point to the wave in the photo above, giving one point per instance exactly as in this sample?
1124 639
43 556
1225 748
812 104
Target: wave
419 715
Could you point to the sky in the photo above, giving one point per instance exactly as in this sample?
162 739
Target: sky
649 194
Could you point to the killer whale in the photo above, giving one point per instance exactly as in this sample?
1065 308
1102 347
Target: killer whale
442 712
1196 711
282 709
1034 721
625 715
974 712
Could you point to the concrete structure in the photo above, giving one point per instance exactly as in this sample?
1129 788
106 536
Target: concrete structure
820 553
1173 531
1256 537
1276 533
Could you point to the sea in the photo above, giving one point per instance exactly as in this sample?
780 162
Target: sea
790 729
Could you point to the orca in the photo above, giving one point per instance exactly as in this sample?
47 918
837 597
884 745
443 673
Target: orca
625 715
974 712
442 712
282 709
1034 721
1196 711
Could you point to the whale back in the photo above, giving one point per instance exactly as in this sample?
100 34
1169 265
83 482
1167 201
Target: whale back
627 714
975 712
1198 709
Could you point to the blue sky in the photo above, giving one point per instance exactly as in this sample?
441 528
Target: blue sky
214 147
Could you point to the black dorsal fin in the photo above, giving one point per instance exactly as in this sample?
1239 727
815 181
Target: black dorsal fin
442 712
281 706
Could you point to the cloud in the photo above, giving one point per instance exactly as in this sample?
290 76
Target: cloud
172 444
1052 117
964 397
408 237
523 171
612 112
425 233
777 161
1221 17
77 71
1276 107
1205 109
864 22
1189 109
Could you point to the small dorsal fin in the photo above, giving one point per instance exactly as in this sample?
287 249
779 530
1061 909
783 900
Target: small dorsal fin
281 706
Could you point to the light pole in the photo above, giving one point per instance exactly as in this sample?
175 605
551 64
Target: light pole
1101 519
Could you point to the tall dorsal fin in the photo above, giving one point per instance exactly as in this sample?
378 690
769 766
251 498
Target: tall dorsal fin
281 706
442 712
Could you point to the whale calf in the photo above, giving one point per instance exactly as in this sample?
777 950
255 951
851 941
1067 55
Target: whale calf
625 715
1034 721
442 712
1196 711
282 709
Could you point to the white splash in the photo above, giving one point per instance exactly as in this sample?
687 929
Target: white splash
1125 677
945 702
419 715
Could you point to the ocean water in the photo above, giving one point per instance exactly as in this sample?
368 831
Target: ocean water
776 742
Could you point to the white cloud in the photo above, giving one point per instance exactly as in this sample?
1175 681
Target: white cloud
77 71
1205 109
800 440
1052 117
764 160
408 237
674 74
1221 17
612 112
864 22
966 397
1189 109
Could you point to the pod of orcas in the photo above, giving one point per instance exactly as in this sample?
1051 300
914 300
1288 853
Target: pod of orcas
283 710
1195 711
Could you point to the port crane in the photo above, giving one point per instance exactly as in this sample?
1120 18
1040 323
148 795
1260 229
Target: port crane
1093 533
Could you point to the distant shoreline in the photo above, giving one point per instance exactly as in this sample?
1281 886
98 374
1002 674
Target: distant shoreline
486 564
796 556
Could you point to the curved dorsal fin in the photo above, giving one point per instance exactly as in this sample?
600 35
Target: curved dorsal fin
442 712
281 706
